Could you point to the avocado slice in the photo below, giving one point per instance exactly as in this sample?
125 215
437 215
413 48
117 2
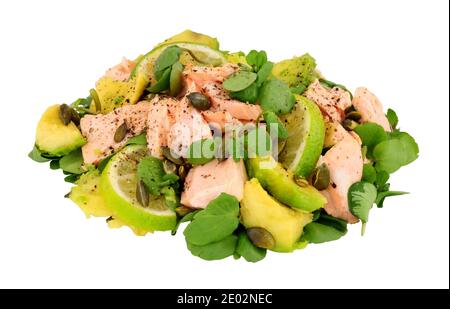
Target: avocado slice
192 37
296 71
53 138
259 209
281 185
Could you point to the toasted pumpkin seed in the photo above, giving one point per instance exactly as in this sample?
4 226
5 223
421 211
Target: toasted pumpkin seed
183 210
353 115
169 167
65 114
261 237
142 194
320 177
121 132
75 116
183 171
96 99
168 155
349 124
199 101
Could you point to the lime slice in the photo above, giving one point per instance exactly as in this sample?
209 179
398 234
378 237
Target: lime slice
306 136
202 54
118 186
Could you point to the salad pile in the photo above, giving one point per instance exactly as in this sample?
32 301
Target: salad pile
249 154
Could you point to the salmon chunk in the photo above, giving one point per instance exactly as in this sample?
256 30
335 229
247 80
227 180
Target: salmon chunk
99 130
175 124
370 108
205 182
332 102
345 163
121 71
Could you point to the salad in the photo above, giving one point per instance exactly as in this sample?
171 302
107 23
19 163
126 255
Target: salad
248 154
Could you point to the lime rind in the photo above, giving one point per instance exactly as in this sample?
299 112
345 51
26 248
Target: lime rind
306 137
118 187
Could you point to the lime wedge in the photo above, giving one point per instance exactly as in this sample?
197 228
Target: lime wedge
306 136
118 186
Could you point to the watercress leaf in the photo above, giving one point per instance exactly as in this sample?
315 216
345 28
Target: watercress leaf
317 233
382 179
163 82
248 250
392 118
369 173
151 171
338 224
389 155
249 94
239 81
371 134
410 147
140 139
71 178
36 155
72 162
54 164
167 58
216 250
206 229
101 166
382 195
264 72
170 197
361 196
188 217
251 58
276 96
273 122
223 205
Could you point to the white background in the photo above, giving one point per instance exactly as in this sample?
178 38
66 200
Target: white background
53 52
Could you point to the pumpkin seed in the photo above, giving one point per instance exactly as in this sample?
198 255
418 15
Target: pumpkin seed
96 99
167 153
121 132
169 167
183 210
65 114
353 115
75 117
349 124
142 194
199 101
261 237
183 171
320 177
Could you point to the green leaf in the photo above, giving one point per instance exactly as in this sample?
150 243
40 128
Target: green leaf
72 162
82 106
137 140
167 58
248 250
264 73
392 118
249 94
54 165
151 171
201 152
188 217
276 96
325 228
170 197
36 155
369 173
175 79
371 134
382 179
410 147
72 178
299 89
389 156
273 122
361 196
382 195
239 81
216 250
256 59
101 166
206 229
217 221
163 82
